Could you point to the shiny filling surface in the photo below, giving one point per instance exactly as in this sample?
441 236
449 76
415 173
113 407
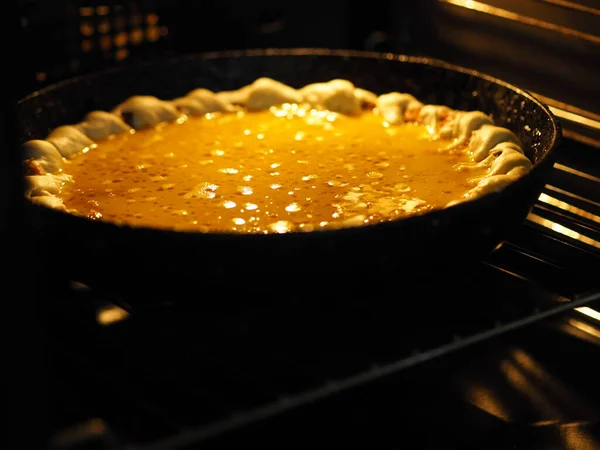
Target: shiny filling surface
276 171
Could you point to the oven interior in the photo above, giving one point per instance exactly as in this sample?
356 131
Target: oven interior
504 362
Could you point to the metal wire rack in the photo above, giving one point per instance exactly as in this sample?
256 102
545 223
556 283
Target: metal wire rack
184 378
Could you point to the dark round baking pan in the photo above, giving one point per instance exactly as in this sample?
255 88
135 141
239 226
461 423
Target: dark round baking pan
126 257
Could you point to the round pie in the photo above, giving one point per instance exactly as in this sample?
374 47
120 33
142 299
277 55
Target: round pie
269 158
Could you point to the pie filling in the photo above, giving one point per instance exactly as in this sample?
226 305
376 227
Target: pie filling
281 161
279 170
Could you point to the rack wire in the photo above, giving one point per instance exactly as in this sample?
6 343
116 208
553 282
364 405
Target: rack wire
178 377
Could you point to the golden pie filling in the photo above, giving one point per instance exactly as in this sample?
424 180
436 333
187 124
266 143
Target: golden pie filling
280 170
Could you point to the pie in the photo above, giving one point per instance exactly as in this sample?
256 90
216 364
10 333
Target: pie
269 158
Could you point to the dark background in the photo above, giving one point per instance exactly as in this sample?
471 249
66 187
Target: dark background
537 44
48 41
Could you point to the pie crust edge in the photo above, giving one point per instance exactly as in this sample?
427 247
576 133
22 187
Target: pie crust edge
490 146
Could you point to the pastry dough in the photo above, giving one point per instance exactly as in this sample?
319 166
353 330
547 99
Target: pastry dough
100 124
144 111
202 101
398 108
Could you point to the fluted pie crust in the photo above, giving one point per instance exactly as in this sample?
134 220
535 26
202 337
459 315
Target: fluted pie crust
490 147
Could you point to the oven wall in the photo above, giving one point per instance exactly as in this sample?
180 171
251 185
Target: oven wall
65 38
549 47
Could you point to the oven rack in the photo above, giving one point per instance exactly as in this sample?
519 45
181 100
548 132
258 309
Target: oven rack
168 376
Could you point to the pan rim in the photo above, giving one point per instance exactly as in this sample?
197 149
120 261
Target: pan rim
554 140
